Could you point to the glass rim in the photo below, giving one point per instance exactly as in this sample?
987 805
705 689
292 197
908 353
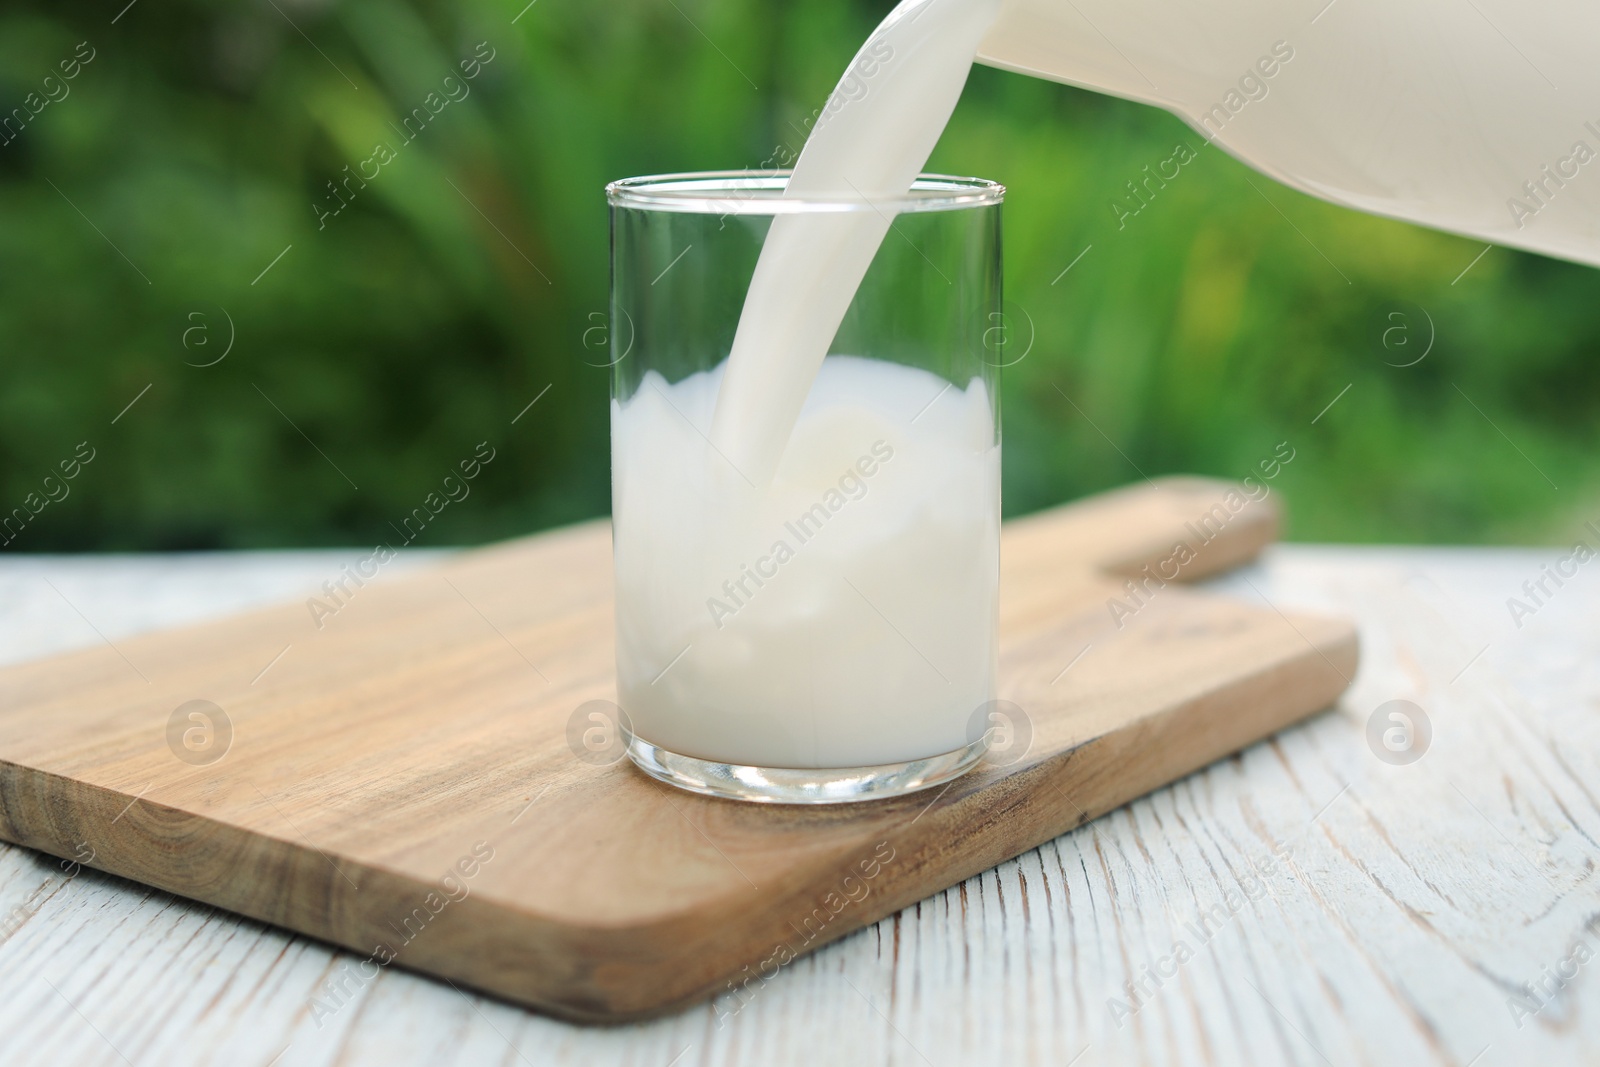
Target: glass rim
750 192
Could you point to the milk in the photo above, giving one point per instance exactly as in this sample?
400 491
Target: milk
874 137
839 614
807 549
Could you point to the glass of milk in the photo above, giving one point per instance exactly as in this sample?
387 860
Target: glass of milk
806 578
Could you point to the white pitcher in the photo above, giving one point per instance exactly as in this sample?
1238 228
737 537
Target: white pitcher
1481 117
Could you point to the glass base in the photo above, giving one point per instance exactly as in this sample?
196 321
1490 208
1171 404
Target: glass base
802 785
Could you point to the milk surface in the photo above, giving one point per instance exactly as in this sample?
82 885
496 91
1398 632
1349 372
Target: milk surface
841 613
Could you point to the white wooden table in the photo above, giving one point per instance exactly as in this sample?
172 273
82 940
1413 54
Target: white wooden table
1305 902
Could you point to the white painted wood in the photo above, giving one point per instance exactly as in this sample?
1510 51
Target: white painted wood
1413 904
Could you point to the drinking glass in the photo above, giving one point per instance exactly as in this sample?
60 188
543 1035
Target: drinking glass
826 631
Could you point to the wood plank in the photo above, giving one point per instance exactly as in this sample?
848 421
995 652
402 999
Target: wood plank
430 715
1396 934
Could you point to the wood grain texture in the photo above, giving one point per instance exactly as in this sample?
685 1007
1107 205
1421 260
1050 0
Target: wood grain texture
1417 902
423 731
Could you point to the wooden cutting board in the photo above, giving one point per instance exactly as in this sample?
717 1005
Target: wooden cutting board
402 781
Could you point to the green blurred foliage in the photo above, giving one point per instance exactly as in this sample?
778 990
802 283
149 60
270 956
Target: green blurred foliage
457 285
